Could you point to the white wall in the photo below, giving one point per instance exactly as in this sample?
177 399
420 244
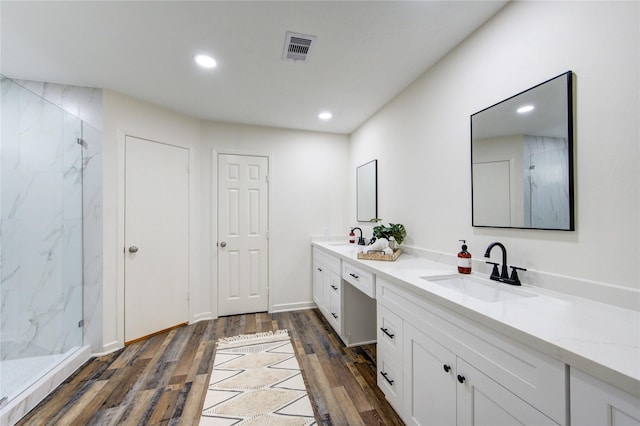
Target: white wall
422 140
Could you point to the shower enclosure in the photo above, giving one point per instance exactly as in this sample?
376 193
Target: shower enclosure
41 253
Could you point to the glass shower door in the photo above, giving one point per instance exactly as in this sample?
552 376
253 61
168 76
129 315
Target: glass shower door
40 237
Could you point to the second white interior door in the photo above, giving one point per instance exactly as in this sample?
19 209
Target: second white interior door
242 234
156 237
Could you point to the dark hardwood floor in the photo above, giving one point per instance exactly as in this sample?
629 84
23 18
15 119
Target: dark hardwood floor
162 380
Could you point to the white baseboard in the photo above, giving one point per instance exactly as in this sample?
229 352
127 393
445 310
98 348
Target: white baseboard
285 307
203 316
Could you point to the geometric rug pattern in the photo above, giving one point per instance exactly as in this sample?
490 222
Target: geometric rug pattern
256 380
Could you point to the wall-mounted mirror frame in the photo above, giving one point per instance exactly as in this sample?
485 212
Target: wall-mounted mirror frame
522 162
367 191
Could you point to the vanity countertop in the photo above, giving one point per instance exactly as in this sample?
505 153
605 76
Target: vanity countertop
599 339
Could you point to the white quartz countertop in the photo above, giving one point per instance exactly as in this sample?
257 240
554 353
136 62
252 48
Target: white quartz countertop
599 339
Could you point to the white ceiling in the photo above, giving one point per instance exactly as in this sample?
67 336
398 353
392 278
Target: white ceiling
365 53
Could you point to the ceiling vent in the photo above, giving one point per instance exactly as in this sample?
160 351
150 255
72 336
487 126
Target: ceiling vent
297 47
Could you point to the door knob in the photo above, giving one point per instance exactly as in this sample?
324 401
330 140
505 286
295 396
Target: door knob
223 244
133 249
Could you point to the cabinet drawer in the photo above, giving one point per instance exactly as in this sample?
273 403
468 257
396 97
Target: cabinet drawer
389 332
325 260
360 279
335 284
390 378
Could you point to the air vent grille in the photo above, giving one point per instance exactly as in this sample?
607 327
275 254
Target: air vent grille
297 47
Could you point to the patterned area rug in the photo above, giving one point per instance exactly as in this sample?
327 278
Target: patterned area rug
256 380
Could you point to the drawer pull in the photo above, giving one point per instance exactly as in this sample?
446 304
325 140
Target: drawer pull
334 287
334 315
354 275
319 269
447 368
461 378
386 331
386 378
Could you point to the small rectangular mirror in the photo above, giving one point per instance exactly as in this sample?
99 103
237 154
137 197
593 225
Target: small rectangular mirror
522 159
367 191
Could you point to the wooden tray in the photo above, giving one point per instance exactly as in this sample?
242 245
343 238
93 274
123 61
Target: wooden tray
378 255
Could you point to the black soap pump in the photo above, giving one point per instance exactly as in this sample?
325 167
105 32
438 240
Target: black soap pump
464 259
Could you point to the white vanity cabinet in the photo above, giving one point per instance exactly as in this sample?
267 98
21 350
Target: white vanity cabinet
327 287
594 402
449 370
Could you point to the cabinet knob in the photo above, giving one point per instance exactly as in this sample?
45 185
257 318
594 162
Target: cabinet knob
447 368
386 331
461 378
133 249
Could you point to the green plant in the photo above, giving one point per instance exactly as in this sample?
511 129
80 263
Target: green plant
395 230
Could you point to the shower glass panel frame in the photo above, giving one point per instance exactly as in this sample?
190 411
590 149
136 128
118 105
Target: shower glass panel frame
41 251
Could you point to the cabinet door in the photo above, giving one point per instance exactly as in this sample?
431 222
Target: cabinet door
321 278
481 401
429 380
594 402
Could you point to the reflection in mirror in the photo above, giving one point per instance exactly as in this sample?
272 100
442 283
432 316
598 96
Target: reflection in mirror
522 159
367 191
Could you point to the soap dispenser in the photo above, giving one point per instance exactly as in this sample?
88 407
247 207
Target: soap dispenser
464 259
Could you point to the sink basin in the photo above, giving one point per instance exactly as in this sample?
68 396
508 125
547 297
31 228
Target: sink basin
485 290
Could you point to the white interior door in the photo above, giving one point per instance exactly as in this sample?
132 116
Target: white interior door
492 193
156 237
242 234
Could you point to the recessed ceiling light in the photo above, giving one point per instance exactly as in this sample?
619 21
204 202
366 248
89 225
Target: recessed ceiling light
525 108
325 115
206 61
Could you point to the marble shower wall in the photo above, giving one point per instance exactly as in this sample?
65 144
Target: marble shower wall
42 299
546 182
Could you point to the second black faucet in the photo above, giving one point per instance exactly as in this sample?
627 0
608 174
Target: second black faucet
361 238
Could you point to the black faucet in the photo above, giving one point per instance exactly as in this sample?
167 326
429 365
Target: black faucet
360 239
503 276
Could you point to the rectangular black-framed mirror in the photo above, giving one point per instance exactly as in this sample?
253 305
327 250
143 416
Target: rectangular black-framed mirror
522 159
367 191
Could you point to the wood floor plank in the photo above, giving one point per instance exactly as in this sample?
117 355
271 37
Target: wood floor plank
76 410
317 374
162 380
135 412
348 408
195 398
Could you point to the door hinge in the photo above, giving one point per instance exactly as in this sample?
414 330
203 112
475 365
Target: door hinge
267 234
81 323
266 178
